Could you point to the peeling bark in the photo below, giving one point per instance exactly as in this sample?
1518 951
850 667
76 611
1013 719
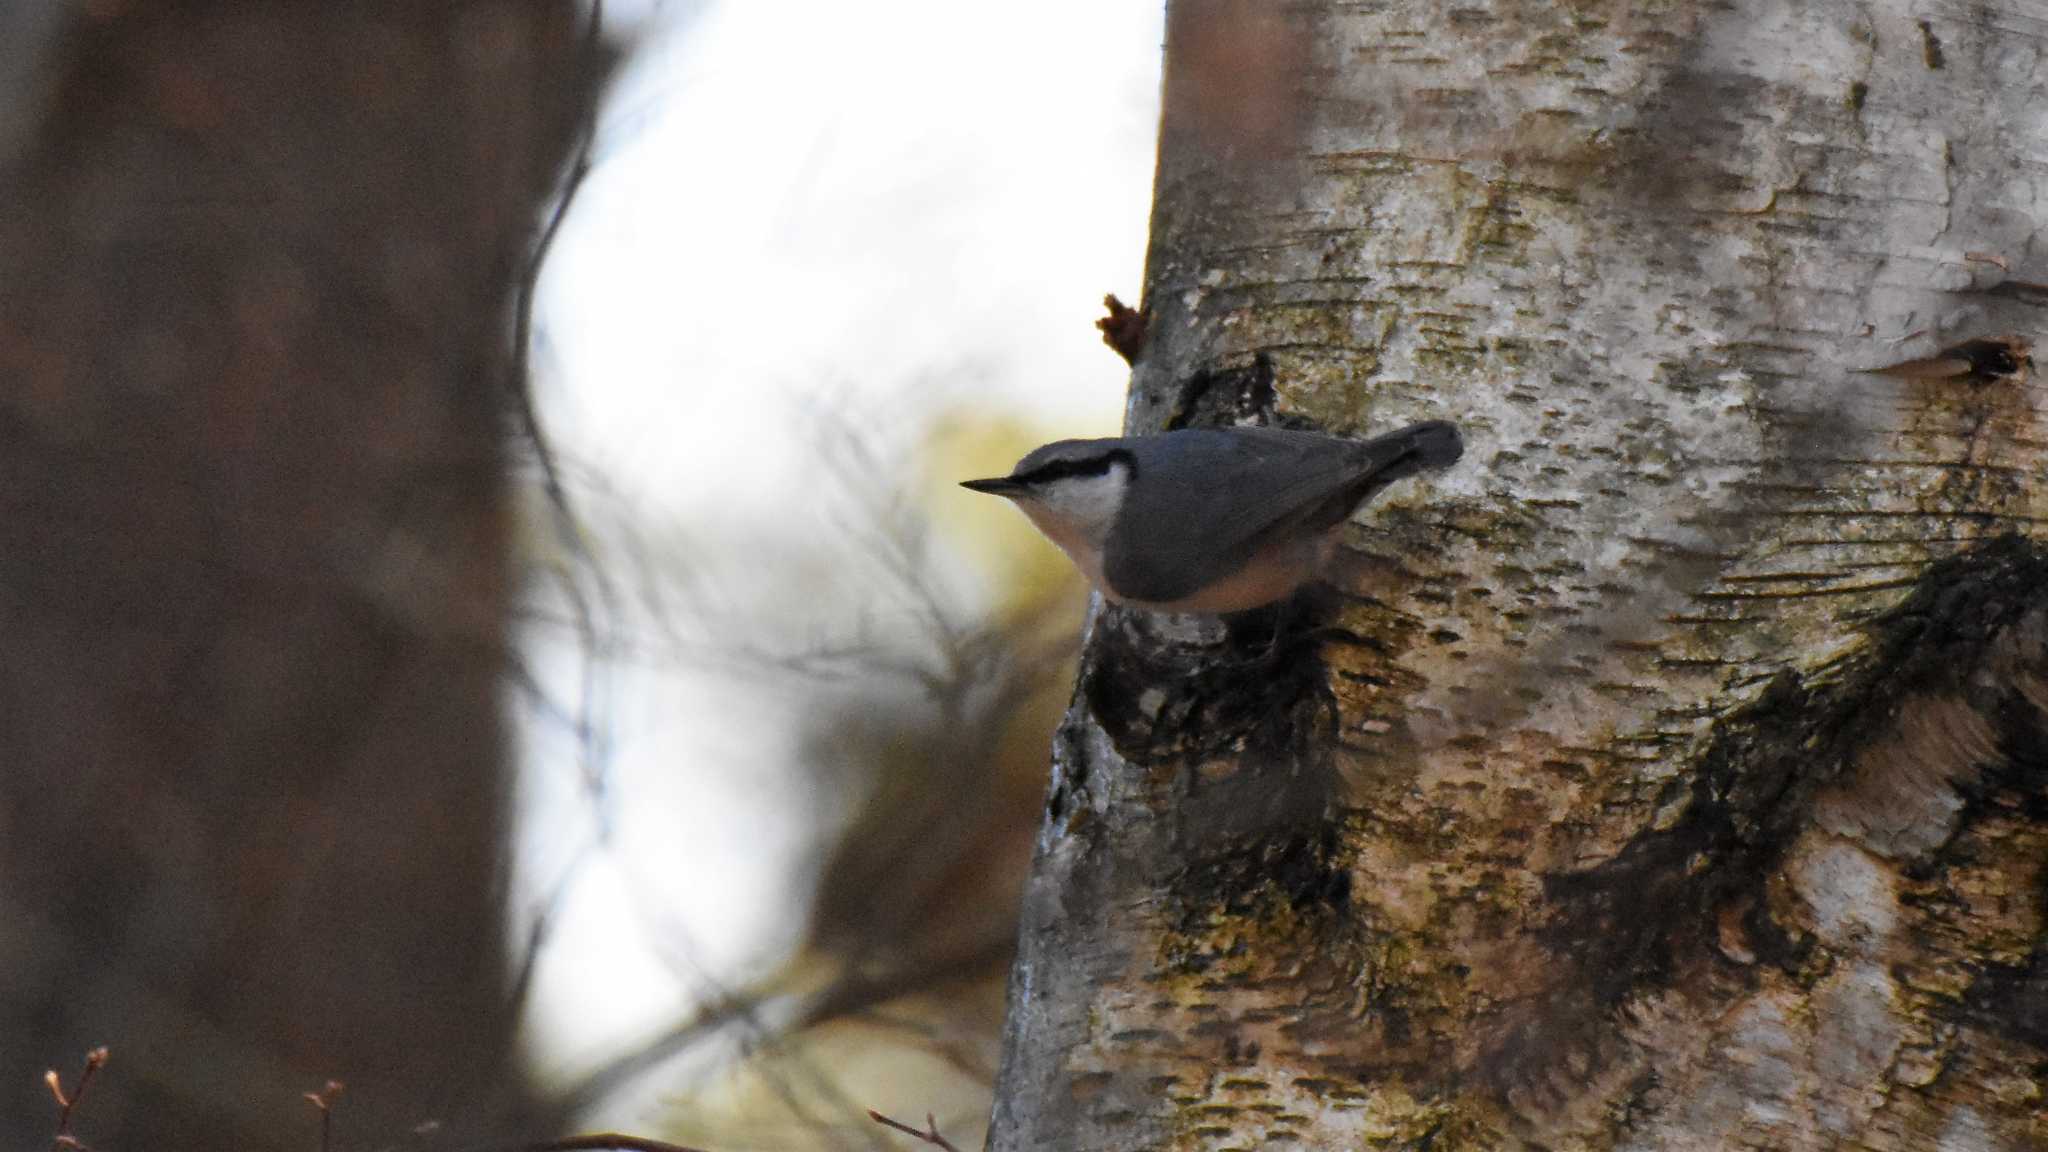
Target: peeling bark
1674 773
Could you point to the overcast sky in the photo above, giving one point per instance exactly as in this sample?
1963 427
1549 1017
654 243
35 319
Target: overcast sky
905 206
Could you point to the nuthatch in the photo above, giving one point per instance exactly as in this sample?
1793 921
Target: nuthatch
1210 520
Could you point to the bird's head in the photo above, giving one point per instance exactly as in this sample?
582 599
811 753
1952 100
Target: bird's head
1071 489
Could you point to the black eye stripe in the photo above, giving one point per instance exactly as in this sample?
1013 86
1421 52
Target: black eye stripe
1061 469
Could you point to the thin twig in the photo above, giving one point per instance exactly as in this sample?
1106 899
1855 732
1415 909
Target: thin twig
544 922
568 528
845 998
590 1142
324 1101
67 1106
522 331
930 1135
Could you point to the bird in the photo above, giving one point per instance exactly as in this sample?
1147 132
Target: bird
1210 521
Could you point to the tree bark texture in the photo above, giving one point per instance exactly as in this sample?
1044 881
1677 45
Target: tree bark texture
256 271
1671 774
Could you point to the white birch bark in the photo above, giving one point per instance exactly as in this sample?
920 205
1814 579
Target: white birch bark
1679 777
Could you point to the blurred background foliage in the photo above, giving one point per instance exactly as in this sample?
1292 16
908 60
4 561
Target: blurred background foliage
915 661
791 688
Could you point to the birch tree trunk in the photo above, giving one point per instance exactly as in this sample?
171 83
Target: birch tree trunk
1673 773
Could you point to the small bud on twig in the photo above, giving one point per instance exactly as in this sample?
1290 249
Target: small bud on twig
931 1133
324 1101
67 1105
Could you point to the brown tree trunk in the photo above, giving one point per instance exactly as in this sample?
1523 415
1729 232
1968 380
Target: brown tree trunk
256 272
1676 775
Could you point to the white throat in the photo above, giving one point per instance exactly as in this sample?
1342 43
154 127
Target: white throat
1077 513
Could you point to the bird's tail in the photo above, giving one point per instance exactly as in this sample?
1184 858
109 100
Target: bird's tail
1421 447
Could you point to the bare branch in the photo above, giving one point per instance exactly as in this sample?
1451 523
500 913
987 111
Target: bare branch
844 998
930 1135
587 615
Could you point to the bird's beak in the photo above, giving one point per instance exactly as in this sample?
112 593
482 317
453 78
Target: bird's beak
998 486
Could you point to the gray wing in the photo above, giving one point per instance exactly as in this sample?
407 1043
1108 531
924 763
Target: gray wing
1205 500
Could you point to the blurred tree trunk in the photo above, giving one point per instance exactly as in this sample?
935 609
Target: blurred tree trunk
1678 776
256 271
